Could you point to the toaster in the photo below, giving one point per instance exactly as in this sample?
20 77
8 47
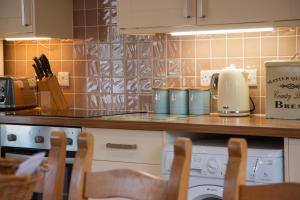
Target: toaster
17 93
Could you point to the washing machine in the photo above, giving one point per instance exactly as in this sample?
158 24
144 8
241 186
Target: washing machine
209 161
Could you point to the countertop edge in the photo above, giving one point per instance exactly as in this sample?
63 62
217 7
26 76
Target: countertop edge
170 126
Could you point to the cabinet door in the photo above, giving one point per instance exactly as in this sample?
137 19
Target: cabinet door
14 19
155 13
292 159
244 11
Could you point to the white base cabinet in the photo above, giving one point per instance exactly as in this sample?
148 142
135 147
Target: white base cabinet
131 149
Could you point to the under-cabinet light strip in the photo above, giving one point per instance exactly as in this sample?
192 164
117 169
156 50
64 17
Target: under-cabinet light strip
213 32
27 38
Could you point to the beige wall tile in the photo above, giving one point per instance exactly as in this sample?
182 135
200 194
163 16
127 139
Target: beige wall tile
269 46
252 47
10 68
21 68
218 63
257 103
188 81
202 64
70 100
55 52
21 52
235 47
287 46
235 61
218 47
31 51
174 82
203 49
188 49
188 67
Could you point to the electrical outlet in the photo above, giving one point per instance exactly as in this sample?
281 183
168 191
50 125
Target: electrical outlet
252 77
63 79
205 76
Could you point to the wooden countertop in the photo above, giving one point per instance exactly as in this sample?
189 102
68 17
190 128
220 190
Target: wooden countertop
253 125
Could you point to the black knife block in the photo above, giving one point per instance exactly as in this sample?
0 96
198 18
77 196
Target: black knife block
50 94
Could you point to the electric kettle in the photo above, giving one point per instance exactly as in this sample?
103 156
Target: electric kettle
233 91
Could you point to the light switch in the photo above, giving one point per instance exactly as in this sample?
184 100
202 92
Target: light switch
63 79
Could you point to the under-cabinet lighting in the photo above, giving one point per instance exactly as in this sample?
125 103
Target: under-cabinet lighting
208 32
27 38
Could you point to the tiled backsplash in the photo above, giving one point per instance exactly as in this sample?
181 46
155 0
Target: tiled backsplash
112 71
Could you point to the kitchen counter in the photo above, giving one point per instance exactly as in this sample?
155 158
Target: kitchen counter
253 125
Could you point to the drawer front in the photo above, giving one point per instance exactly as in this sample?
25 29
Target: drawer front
128 145
106 165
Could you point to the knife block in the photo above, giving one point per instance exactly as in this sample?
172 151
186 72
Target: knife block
50 94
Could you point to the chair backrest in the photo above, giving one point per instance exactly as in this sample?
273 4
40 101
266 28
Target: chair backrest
235 188
52 184
128 183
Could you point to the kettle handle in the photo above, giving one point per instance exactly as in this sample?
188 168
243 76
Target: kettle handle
214 83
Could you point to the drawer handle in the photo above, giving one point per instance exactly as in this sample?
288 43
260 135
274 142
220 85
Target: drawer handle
121 146
26 12
186 9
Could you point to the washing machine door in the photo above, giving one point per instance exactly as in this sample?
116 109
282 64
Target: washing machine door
206 192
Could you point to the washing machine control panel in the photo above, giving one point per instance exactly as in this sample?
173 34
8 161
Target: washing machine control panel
259 169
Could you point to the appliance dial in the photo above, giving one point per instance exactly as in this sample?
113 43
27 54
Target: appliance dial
39 139
69 141
2 89
212 166
11 137
2 99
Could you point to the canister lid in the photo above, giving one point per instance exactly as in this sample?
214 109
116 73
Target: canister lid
160 88
179 88
282 63
200 88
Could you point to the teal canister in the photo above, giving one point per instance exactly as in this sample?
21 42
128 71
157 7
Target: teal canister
161 100
199 101
178 101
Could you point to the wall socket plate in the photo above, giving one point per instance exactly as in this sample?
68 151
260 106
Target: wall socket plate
252 77
63 79
205 76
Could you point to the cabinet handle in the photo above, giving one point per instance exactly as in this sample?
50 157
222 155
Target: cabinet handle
26 12
186 9
121 146
200 8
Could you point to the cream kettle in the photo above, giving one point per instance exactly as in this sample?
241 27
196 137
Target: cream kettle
233 92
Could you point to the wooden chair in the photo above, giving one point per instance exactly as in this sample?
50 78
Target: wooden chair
235 188
127 183
52 184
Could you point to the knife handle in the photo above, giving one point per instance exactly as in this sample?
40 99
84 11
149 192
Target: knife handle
39 66
37 71
46 63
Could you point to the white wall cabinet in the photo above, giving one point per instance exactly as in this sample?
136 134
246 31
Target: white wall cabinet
36 18
143 16
137 14
292 159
